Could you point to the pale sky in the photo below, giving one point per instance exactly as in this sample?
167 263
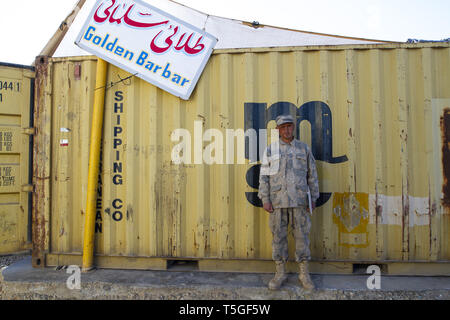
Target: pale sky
27 25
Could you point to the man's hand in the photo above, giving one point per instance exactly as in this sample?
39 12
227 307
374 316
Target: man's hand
268 207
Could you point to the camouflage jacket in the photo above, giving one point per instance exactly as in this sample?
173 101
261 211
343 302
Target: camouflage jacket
287 170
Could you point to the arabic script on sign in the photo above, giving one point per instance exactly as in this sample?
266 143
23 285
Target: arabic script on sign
147 42
118 12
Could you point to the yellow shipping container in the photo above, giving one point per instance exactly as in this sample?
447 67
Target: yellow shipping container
376 116
16 91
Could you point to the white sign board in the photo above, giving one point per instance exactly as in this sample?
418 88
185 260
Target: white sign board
151 44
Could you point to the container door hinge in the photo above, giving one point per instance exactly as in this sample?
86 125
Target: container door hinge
29 131
27 188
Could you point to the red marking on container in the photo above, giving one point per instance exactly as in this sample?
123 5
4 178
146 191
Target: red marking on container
64 142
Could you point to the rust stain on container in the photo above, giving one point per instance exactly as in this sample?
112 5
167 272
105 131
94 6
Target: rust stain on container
445 127
254 24
77 71
39 175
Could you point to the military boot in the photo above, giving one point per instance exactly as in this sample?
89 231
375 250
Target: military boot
280 276
303 276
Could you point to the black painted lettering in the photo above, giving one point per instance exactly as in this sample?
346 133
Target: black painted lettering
117 216
119 96
117 167
99 203
118 107
117 142
117 204
117 131
98 227
117 179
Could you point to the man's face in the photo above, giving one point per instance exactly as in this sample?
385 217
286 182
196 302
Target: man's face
286 131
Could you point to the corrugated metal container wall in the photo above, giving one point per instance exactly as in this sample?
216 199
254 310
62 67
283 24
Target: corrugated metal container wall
16 90
377 118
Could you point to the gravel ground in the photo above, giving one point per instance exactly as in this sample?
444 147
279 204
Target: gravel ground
6 260
51 284
10 259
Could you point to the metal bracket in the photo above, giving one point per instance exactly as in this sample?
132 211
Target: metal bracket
29 131
27 188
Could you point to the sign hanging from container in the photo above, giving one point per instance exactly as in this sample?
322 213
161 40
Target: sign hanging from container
149 43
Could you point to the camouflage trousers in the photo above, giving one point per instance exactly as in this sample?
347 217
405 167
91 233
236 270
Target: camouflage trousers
300 221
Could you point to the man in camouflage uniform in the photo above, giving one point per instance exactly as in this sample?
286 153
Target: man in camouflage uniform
287 171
